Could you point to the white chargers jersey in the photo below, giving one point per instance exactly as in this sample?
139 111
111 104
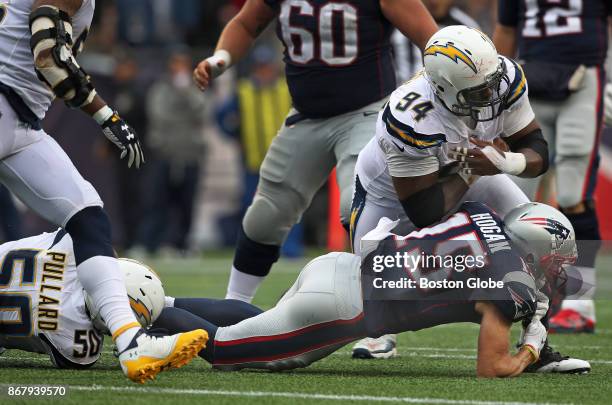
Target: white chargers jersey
42 302
415 132
17 67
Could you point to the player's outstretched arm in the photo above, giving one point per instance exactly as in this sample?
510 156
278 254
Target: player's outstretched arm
53 50
412 18
235 40
494 357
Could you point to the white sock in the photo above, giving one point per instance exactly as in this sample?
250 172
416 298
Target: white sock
242 286
103 281
169 302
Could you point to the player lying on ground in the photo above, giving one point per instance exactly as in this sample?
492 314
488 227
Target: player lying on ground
39 43
333 303
44 292
468 105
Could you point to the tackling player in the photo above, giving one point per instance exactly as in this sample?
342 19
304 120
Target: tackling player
469 105
339 69
39 40
333 303
562 48
46 310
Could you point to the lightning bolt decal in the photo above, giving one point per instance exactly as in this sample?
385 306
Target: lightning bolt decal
140 309
451 52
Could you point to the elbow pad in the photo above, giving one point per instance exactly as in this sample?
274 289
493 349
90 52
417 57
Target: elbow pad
426 206
51 29
536 142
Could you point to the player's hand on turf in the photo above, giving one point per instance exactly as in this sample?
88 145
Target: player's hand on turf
535 336
124 137
475 161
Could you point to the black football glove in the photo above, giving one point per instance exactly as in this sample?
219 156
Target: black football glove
123 135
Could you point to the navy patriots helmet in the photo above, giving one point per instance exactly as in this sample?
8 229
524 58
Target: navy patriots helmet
544 236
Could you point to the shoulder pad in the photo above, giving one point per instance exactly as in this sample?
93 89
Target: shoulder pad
517 81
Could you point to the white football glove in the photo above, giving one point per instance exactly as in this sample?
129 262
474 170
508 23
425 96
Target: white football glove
608 104
541 306
540 312
534 337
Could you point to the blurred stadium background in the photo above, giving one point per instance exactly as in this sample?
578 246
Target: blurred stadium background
188 199
203 150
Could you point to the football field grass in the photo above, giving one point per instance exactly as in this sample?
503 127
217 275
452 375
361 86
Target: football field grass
434 366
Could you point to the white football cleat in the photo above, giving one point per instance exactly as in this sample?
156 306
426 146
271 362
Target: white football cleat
553 362
147 355
383 347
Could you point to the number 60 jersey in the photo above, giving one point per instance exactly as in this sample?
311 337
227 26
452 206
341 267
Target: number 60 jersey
338 54
42 303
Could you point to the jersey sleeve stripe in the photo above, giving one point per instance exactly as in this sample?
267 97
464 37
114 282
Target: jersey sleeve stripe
518 86
407 135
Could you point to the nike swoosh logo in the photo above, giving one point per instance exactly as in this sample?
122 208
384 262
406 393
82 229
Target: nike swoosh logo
368 113
401 148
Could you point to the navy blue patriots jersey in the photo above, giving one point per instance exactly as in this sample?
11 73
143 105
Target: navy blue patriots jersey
496 273
337 54
569 32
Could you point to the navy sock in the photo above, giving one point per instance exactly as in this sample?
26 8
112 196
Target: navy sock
177 320
90 230
219 312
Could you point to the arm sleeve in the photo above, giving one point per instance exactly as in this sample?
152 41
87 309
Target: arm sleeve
507 12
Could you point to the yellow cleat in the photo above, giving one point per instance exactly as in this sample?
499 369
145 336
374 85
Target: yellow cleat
147 355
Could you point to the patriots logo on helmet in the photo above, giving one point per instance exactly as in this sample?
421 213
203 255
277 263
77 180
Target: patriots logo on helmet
553 227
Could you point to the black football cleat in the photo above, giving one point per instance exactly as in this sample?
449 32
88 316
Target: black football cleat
553 362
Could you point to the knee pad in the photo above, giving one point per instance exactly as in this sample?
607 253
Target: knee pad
272 214
586 226
90 230
254 258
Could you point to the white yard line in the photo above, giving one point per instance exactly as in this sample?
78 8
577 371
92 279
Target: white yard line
293 395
